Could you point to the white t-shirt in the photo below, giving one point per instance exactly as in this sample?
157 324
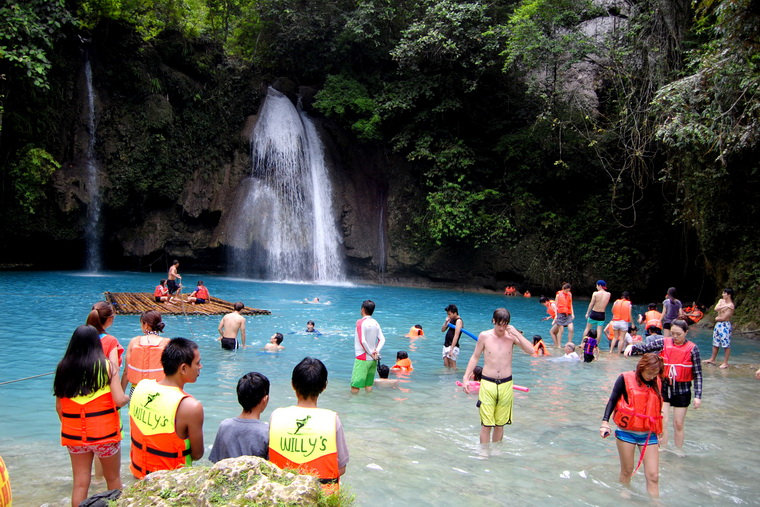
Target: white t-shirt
368 338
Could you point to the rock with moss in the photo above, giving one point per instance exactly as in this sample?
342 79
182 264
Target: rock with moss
247 480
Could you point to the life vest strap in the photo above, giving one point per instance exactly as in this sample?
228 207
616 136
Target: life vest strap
89 414
77 437
328 481
159 452
140 469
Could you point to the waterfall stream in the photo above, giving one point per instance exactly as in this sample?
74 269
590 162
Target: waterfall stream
92 226
283 227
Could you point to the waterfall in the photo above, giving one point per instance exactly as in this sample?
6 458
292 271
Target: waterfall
92 226
381 255
283 228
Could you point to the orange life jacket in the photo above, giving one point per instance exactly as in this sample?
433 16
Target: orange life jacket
608 331
652 318
636 338
91 419
550 309
160 291
6 495
564 302
539 347
695 315
414 332
403 364
155 444
201 292
677 358
643 410
305 439
526 294
145 361
621 310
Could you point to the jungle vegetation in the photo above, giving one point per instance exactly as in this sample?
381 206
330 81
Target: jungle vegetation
651 179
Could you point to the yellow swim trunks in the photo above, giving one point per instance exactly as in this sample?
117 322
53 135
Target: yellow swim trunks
495 401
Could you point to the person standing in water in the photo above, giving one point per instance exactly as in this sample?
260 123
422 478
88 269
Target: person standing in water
565 314
143 357
451 341
637 402
682 367
671 310
595 315
723 327
368 342
230 325
496 394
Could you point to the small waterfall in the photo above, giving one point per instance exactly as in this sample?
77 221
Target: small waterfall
283 228
92 226
381 239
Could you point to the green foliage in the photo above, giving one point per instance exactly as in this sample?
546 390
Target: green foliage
28 30
31 174
460 215
149 17
347 100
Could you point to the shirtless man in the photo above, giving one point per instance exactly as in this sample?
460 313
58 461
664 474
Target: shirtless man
595 315
495 395
229 327
723 327
174 280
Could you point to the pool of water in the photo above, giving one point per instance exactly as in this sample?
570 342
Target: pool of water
418 444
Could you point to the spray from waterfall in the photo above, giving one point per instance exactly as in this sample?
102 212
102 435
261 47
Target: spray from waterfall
92 231
283 228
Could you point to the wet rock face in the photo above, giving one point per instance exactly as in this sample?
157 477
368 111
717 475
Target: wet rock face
247 480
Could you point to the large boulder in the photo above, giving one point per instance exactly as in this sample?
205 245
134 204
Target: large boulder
247 480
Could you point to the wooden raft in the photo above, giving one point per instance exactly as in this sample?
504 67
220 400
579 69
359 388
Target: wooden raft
134 303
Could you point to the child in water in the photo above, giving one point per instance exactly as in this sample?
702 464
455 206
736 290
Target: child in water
274 344
539 348
475 378
590 346
403 363
384 381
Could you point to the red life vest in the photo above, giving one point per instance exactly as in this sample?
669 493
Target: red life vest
564 302
403 364
643 410
201 292
539 349
550 309
90 420
145 361
621 310
677 358
109 342
653 318
160 291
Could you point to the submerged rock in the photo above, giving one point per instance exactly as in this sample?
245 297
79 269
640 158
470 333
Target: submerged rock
247 480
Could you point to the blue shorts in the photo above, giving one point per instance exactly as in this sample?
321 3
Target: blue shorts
636 437
722 334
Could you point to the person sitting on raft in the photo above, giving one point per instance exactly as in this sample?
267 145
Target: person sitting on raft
403 363
539 348
200 295
415 331
161 292
637 402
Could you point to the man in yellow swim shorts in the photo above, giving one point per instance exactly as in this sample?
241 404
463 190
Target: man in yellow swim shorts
495 395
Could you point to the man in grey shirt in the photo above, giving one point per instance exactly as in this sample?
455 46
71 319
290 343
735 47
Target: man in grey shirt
245 435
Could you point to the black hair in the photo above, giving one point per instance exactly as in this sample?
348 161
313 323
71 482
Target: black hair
543 299
672 292
309 377
178 351
653 330
591 333
536 338
368 306
383 370
238 306
652 306
501 316
175 262
452 309
310 322
278 338
83 369
418 326
730 292
251 389
401 354
566 286
626 295
477 373
680 323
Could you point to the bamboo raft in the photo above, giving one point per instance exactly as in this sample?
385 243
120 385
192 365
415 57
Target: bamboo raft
134 303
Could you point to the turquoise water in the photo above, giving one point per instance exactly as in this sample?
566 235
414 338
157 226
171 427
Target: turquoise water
417 444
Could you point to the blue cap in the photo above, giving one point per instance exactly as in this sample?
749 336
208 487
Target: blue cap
602 283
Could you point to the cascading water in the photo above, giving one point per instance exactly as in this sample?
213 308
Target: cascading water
283 228
92 226
381 254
